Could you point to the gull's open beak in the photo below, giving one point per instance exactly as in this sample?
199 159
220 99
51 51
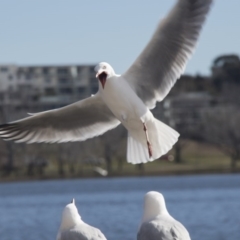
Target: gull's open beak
102 77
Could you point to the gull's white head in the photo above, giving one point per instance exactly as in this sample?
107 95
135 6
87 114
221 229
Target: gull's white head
103 72
70 216
154 205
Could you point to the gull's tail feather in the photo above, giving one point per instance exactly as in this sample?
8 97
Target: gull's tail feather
161 137
136 152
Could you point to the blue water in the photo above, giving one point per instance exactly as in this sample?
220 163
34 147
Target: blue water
208 206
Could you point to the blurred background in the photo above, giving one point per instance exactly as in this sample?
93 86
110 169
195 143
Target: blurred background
48 51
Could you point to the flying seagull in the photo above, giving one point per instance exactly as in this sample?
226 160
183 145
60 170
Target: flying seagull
73 228
126 98
157 223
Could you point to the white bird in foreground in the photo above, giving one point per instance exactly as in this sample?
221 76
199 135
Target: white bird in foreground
126 98
157 223
73 228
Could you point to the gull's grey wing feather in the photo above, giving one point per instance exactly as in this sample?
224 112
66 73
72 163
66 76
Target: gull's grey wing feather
163 231
163 60
82 233
76 122
152 231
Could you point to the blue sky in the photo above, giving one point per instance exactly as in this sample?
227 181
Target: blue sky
76 32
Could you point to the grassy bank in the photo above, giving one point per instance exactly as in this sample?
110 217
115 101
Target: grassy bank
196 159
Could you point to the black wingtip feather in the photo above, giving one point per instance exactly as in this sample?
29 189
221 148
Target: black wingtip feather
7 126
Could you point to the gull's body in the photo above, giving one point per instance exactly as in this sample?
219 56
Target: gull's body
126 98
130 110
125 105
74 228
157 223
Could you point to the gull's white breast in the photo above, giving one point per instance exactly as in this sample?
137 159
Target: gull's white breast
123 102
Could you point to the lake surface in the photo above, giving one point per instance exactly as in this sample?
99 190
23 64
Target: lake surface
208 205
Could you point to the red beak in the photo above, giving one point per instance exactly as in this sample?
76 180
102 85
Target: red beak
102 78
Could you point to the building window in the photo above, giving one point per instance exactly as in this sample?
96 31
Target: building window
62 71
92 69
81 90
45 70
47 80
67 91
92 73
93 80
10 77
28 76
50 91
62 80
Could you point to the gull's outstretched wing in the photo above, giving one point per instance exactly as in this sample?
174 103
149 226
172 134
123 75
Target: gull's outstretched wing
163 60
76 122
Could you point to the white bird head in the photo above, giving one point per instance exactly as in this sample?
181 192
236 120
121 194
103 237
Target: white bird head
70 216
154 205
103 72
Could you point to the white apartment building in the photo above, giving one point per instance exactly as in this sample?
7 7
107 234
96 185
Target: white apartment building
59 85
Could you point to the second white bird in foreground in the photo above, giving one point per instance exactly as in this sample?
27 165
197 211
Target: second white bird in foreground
73 228
157 223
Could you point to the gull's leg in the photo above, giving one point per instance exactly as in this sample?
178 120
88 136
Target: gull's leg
148 143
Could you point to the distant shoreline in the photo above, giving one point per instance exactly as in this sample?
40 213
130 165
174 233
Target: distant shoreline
122 175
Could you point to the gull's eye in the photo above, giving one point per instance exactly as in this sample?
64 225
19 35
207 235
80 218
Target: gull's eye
104 67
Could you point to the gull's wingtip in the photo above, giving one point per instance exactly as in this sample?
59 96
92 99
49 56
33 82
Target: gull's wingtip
6 126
